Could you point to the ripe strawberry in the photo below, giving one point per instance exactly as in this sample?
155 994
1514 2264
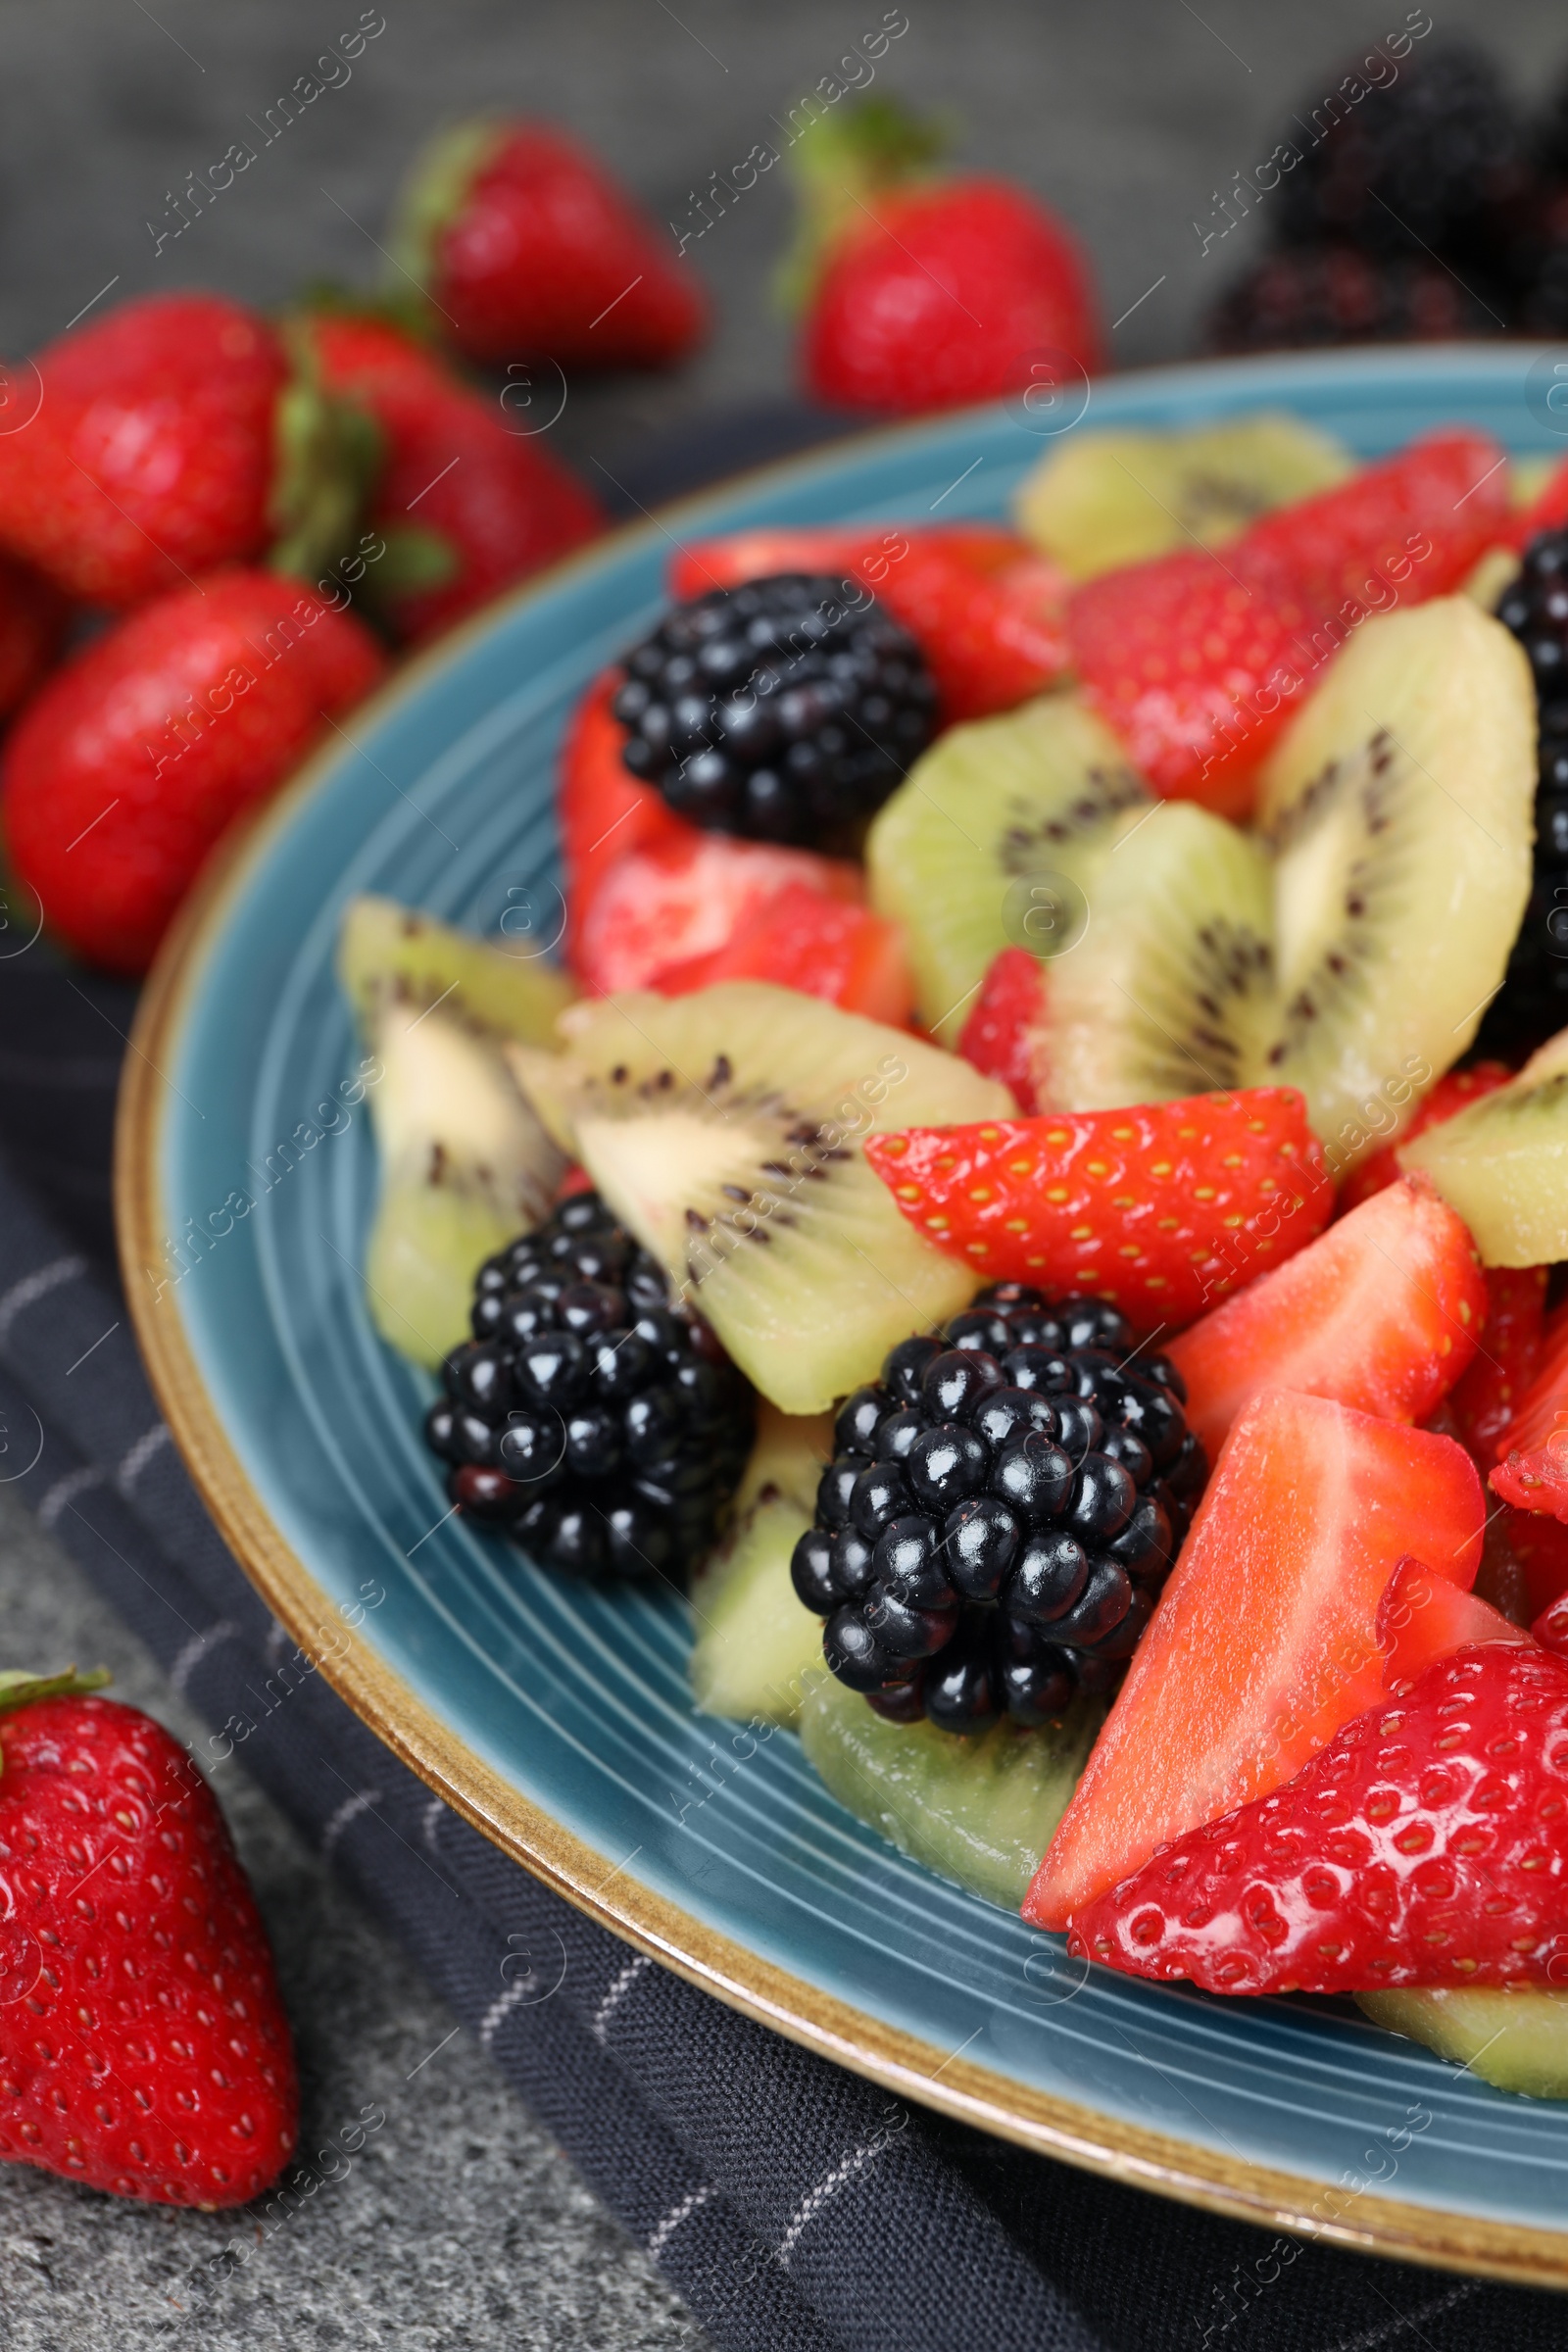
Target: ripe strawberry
1484 1401
1533 1473
1198 660
677 900
603 815
1159 1208
1004 1036
1382 1312
527 247
1425 1846
170 438
465 507
922 291
131 760
32 620
1453 1091
986 608
820 946
143 2046
1423 1617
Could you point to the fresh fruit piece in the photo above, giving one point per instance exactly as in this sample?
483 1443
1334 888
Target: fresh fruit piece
1485 1399
32 620
788 1456
464 1163
1404 784
1536 1545
1550 1627
1423 1617
1382 1312
464 507
1160 1209
1422 1846
1265 1638
1532 1473
1198 660
1453 1091
603 813
1004 1033
1513 2035
1532 1002
1002 822
724 1129
1001 1506
689 896
527 247
134 757
1329 293
987 611
171 2078
1169 987
1502 1164
595 1427
1100 500
785 710
756 1648
801 940
926 292
979 1810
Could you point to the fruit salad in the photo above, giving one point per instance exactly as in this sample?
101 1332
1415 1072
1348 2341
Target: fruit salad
1039 1199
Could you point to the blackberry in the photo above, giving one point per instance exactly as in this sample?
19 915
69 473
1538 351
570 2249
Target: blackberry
784 709
1533 1003
600 1429
1333 294
1004 1506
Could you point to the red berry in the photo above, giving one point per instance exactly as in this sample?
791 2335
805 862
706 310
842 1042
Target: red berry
1382 1312
604 813
1486 1400
1198 660
133 757
1005 1035
151 456
819 947
677 900
1265 1638
1158 1209
534 250
1453 1091
1533 1473
143 2046
1423 1617
1425 1846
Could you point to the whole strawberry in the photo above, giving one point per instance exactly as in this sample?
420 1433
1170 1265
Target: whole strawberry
527 247
465 507
1426 1845
172 435
926 292
131 760
143 2046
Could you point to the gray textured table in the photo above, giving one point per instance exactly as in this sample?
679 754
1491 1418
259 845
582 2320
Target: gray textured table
462 2225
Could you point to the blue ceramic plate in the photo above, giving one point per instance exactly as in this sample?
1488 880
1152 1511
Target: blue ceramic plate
557 1717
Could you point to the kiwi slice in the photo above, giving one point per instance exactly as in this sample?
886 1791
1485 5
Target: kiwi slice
1398 810
1516 2038
756 1644
1043 791
789 1453
1102 498
1166 992
979 1808
465 1164
1506 1173
724 1129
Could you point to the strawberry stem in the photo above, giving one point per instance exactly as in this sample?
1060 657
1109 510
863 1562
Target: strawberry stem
326 454
840 162
435 193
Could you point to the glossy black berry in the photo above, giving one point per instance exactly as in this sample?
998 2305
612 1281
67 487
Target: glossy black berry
1029 1479
1533 1003
785 710
602 1429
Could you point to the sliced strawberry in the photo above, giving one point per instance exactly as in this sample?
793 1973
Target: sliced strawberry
1197 659
1264 1640
1534 1474
1158 1208
1423 1847
1004 1034
988 611
1550 1627
821 947
1486 1400
679 899
1423 1617
1452 1092
1382 1311
602 812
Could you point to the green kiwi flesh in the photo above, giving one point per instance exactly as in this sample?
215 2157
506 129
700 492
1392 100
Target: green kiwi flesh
1516 2038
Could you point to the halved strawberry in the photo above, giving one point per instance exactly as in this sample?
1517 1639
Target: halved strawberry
1423 1617
1383 1312
1486 1400
988 611
602 810
821 947
1159 1207
1533 1476
1454 1090
681 898
1265 1639
1004 1034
